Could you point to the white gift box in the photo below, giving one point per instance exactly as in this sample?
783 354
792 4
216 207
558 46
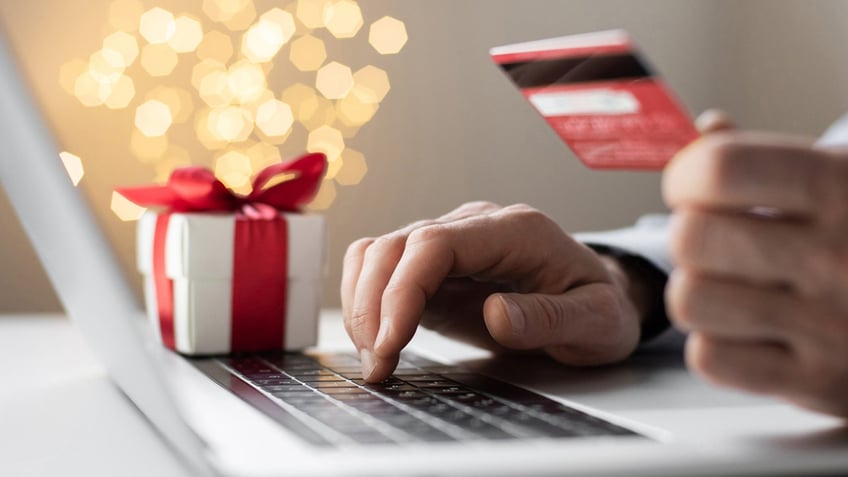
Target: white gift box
199 260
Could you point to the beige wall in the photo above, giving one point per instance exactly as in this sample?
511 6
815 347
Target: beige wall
452 128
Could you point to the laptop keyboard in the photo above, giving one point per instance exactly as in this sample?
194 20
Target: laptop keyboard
323 398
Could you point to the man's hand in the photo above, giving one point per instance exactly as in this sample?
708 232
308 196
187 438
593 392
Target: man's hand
760 240
510 278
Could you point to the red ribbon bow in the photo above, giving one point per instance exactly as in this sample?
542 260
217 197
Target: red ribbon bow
195 189
260 254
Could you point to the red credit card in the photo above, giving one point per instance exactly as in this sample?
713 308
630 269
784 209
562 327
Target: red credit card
601 97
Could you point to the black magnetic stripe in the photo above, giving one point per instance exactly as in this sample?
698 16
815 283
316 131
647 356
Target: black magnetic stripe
582 69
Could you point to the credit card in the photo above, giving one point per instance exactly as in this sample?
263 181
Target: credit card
601 97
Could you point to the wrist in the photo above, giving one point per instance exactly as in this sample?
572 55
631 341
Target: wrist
643 284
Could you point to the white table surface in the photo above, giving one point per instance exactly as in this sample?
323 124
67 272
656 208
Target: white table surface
61 415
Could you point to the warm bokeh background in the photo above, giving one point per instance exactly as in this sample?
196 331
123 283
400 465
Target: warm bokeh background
452 128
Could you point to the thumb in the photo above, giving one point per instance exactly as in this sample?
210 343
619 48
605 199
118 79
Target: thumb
713 120
590 324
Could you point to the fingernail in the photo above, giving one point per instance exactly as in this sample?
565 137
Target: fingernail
368 363
383 333
516 316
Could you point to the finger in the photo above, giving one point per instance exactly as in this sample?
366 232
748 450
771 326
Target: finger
456 311
360 314
741 171
379 262
584 326
713 120
753 366
731 309
753 249
354 256
521 245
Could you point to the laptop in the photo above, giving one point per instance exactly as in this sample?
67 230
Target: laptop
312 414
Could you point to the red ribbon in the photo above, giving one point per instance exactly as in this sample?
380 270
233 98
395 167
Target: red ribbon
260 268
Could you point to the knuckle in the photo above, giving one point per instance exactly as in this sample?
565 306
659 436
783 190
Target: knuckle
386 244
358 320
520 209
552 314
721 151
417 225
478 206
688 236
430 233
529 217
358 248
681 299
704 357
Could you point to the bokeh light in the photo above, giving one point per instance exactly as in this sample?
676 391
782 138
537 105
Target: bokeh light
118 94
334 80
246 80
274 118
173 158
124 15
148 149
328 140
371 84
343 18
263 155
234 170
188 33
258 102
178 100
205 135
157 25
103 68
353 168
242 19
230 124
311 12
124 209
388 35
216 46
325 197
73 165
352 111
308 53
159 59
223 10
87 90
69 72
264 39
322 114
121 48
153 118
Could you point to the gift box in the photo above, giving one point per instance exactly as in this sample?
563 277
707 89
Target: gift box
225 273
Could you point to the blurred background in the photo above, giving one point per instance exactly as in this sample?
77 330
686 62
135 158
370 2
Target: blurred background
400 94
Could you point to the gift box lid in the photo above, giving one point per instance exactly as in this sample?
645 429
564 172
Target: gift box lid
201 245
